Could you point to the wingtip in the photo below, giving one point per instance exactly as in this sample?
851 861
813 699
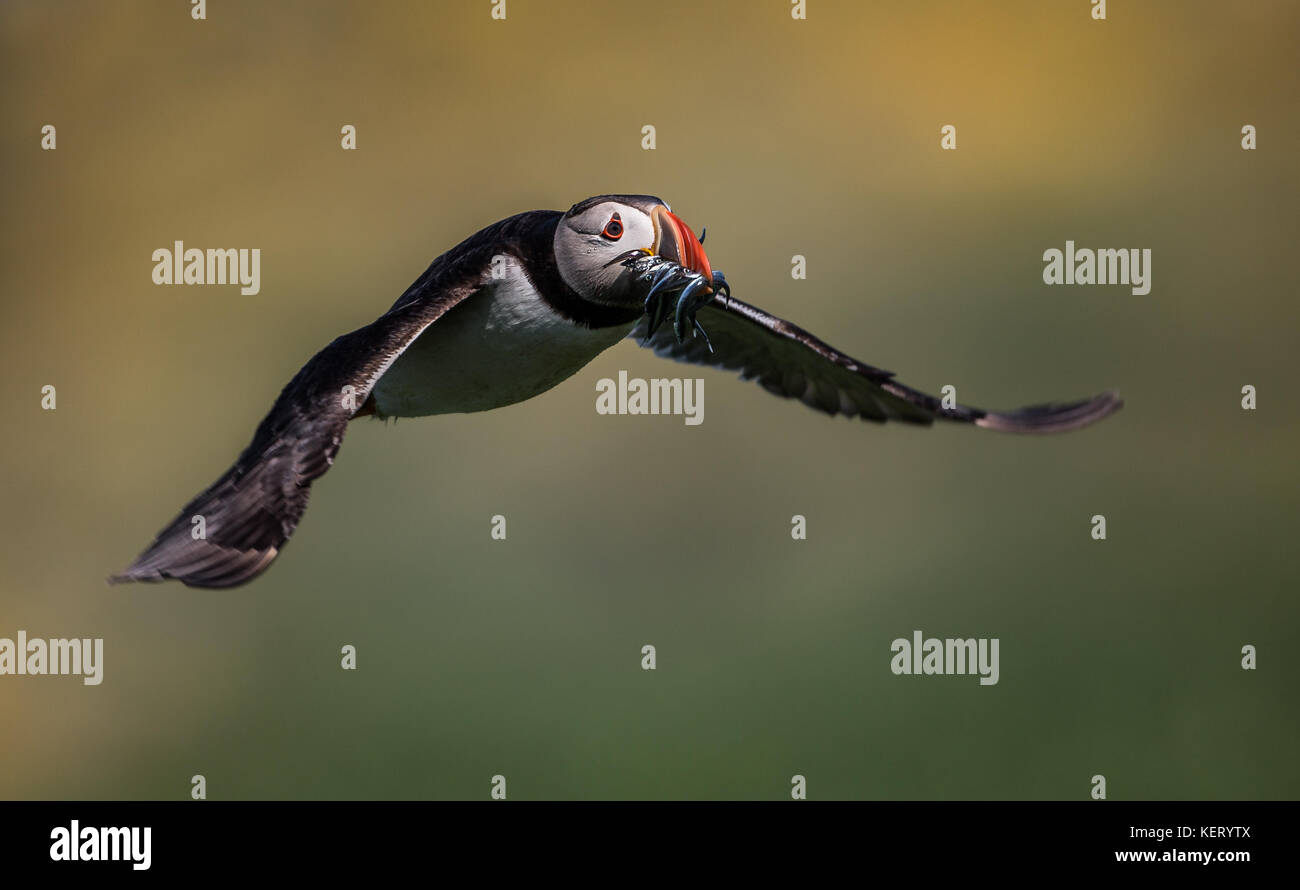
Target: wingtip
126 576
1054 418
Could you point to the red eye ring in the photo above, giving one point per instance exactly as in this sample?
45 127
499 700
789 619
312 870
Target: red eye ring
614 228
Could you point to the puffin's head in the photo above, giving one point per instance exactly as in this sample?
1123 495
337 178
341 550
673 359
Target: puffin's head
597 236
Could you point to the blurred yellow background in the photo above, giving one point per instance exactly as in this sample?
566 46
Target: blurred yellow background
783 137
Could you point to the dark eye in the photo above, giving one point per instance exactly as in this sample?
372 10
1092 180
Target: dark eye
614 228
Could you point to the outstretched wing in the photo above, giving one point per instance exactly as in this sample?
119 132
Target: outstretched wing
247 515
790 362
250 512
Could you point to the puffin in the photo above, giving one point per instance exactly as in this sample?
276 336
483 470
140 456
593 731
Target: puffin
505 315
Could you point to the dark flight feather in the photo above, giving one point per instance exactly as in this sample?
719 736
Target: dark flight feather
789 362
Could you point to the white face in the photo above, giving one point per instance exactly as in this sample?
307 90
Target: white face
589 248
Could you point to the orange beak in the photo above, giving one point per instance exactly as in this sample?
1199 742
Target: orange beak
675 241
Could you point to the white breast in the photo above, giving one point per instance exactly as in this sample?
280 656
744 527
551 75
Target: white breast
501 346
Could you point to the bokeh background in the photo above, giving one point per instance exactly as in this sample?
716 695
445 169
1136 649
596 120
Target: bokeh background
783 137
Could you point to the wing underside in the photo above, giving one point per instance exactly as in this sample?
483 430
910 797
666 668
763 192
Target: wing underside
790 362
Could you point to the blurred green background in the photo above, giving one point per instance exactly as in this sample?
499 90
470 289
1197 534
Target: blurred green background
522 657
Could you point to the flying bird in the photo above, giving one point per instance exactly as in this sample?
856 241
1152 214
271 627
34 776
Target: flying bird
505 315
